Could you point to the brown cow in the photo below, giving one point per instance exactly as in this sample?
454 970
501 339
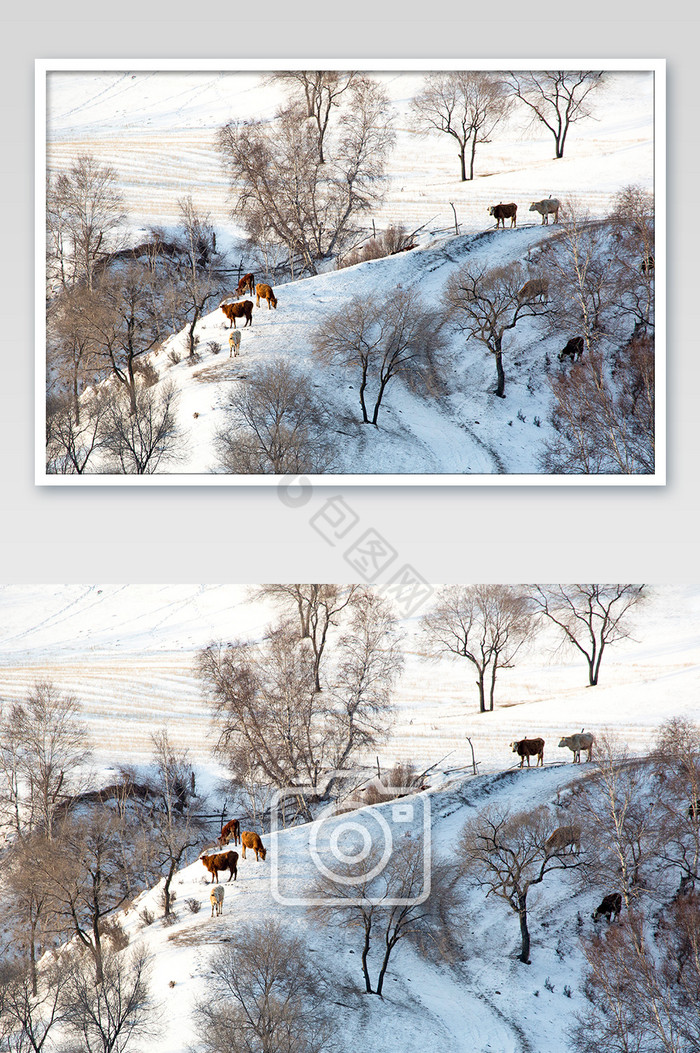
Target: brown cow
529 748
536 288
246 284
231 831
238 310
266 293
252 840
221 861
564 837
503 212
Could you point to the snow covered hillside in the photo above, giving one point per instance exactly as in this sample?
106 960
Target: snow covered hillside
158 130
126 653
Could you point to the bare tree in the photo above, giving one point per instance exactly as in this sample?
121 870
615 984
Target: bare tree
28 1014
385 904
486 624
604 416
556 98
619 821
589 617
109 1016
369 660
278 178
30 898
125 323
266 995
677 762
84 213
139 431
381 340
89 879
633 228
486 305
175 826
72 439
322 92
316 607
507 855
276 424
203 279
272 722
42 753
468 106
70 343
643 986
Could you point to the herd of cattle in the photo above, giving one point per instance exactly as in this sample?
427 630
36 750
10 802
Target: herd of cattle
233 309
216 862
563 838
569 836
548 206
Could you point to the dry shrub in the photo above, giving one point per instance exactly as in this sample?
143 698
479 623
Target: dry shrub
113 931
394 239
146 371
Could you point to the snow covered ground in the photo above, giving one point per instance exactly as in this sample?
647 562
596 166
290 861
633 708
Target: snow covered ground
158 130
126 652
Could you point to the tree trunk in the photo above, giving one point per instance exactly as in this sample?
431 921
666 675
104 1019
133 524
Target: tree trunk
501 386
463 162
363 385
379 401
493 684
166 888
471 160
482 692
524 933
365 970
382 971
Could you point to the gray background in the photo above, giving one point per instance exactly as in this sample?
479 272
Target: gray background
246 534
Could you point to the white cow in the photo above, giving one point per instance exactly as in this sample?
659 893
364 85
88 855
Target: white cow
547 206
216 897
234 343
584 740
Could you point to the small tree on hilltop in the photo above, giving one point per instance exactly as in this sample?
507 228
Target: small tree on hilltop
486 305
556 98
590 617
486 624
468 106
386 904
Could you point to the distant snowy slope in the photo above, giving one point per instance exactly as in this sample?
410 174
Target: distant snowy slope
127 653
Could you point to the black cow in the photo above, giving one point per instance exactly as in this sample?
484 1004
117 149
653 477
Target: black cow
610 907
573 350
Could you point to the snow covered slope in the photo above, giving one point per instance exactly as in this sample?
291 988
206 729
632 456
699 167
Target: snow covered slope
158 129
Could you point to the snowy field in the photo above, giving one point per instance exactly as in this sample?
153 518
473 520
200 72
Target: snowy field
158 130
126 652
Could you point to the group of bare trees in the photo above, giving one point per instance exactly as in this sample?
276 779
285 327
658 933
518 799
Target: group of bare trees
313 693
303 181
490 624
108 307
74 856
469 106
